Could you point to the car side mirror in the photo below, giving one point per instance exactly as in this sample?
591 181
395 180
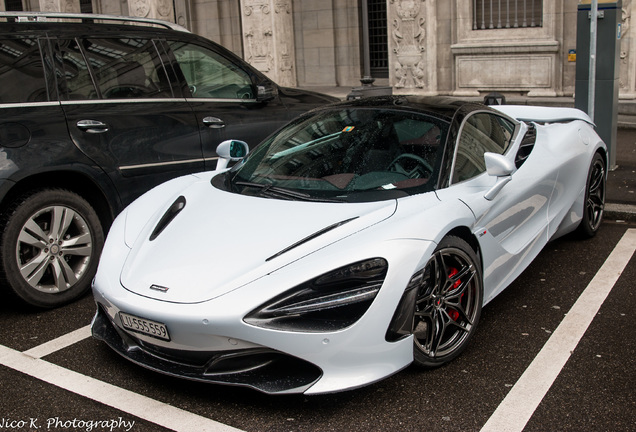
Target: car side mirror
231 151
266 91
498 166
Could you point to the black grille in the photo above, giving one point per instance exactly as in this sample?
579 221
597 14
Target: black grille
378 39
13 5
86 6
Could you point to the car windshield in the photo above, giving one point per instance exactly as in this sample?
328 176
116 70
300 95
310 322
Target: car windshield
346 154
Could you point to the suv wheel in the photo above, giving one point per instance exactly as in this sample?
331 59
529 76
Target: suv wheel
50 247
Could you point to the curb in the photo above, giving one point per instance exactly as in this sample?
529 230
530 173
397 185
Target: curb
620 212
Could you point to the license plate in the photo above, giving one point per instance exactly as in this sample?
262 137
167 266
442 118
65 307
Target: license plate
144 326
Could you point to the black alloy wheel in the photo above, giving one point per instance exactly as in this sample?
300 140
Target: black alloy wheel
51 243
448 304
594 206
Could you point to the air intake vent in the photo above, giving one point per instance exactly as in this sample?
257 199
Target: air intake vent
172 212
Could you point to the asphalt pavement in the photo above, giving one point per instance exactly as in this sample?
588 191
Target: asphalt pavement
621 181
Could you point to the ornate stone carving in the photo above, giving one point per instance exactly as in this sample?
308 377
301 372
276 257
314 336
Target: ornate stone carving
164 8
627 84
269 38
140 8
286 59
157 9
258 35
48 6
60 6
409 44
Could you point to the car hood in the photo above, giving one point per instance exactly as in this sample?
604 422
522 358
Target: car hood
221 241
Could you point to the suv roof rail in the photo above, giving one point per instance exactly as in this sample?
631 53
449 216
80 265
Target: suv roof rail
44 16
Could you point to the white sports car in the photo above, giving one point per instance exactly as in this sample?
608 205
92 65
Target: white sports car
360 238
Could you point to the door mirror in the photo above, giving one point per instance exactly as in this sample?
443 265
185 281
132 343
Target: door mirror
231 151
498 166
266 91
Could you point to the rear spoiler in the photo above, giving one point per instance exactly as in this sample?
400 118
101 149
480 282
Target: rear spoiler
541 114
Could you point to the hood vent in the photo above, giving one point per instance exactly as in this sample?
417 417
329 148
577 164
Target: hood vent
172 212
311 237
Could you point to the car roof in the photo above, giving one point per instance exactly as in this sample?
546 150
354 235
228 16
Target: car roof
444 108
80 29
41 19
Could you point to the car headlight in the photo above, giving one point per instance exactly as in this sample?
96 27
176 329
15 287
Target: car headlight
332 301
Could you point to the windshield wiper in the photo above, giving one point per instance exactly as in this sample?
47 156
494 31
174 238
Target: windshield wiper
279 192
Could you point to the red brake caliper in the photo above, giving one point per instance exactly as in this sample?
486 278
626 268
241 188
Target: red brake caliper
452 313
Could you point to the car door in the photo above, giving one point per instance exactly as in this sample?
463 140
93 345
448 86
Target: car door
32 128
124 113
511 224
224 95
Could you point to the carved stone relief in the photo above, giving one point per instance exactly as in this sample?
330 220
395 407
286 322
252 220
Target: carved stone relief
627 76
60 6
409 37
259 36
283 20
158 9
139 8
411 62
164 8
269 38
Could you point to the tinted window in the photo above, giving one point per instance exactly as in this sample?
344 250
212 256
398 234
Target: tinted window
210 75
20 62
351 151
127 68
79 84
481 133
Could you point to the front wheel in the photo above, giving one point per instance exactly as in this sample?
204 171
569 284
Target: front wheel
448 304
51 243
594 206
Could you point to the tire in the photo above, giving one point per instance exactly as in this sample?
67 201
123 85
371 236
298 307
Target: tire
448 304
594 206
51 241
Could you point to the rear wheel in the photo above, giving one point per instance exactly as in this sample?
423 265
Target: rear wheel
50 247
448 304
594 206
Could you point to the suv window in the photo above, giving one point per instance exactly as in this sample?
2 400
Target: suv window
481 133
123 68
209 75
20 62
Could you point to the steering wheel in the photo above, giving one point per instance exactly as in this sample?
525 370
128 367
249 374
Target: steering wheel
422 168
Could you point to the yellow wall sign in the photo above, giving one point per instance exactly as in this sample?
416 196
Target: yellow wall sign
572 55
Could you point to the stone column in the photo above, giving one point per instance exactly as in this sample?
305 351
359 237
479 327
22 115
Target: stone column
72 6
156 9
413 45
627 64
268 38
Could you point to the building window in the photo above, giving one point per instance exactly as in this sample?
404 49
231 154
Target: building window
86 6
13 5
378 39
500 14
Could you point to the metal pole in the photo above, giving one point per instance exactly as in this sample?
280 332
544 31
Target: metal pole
366 79
592 74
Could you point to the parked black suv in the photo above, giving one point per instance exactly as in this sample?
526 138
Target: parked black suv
91 116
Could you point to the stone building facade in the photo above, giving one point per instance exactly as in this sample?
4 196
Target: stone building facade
431 47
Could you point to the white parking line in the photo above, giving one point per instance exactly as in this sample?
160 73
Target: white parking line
59 343
517 408
124 400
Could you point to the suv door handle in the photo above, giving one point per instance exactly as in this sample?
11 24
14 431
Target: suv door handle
92 126
213 122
